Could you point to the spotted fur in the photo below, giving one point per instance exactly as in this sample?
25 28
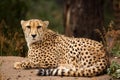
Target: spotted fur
58 55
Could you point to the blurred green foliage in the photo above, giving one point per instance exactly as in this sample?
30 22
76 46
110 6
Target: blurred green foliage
116 49
114 70
47 10
108 12
11 37
12 11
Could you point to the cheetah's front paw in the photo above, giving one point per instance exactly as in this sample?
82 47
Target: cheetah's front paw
17 65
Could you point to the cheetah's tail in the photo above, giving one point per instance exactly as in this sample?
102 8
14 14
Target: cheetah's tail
96 69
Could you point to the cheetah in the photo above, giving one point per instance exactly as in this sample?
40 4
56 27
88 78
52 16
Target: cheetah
54 54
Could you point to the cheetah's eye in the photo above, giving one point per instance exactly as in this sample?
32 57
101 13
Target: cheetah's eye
28 27
39 27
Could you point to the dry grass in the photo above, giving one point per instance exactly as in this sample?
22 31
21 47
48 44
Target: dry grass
11 42
110 37
111 40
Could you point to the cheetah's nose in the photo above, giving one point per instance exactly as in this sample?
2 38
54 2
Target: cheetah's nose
33 35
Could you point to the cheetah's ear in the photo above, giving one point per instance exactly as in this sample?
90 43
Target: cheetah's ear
46 22
23 24
22 21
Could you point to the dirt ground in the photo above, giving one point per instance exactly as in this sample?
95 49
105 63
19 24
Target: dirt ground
7 72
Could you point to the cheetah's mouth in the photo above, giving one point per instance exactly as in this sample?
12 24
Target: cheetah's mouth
33 39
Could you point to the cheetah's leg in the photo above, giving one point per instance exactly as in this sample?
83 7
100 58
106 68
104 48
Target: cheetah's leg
25 65
66 66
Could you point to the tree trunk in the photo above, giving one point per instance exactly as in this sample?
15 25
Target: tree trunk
82 17
116 8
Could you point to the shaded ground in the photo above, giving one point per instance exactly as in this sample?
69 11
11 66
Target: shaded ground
7 72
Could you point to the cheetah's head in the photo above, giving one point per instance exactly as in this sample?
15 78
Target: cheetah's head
34 30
